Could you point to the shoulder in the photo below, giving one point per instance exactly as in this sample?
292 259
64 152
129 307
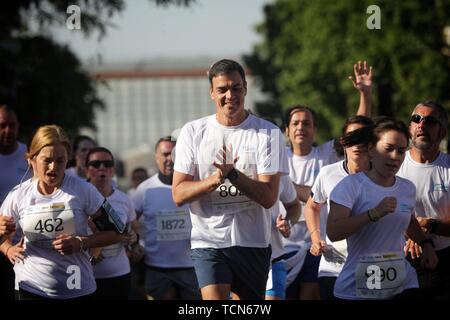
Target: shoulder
406 185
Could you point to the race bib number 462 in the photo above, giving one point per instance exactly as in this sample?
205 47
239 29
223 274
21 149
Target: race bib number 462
43 223
380 276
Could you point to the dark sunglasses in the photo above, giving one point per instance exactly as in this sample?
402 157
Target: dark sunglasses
97 163
429 120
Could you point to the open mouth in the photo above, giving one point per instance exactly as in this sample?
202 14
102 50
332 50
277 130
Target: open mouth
52 175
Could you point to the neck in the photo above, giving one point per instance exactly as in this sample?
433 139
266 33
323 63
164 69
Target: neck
6 150
80 172
354 167
424 156
106 190
231 121
47 190
165 179
379 179
302 149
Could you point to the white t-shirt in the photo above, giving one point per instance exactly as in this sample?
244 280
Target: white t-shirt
384 237
12 170
329 176
166 227
44 271
287 194
303 170
225 217
116 262
432 181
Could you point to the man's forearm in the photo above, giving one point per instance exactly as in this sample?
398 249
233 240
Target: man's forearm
188 191
261 192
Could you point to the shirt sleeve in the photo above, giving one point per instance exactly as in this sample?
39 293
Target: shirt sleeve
317 189
288 194
184 151
272 156
346 192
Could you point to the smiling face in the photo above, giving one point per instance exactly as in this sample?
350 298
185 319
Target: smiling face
228 92
49 165
163 157
100 169
389 152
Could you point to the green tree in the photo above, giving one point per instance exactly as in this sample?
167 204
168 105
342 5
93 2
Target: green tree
43 80
309 48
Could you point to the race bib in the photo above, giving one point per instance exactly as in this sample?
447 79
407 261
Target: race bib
227 199
173 225
43 223
380 276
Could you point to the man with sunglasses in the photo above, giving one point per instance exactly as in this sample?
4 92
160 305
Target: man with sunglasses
429 170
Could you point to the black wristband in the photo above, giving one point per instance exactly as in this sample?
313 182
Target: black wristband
232 175
434 223
423 242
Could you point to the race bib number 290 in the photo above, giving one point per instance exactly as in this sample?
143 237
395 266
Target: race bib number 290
380 276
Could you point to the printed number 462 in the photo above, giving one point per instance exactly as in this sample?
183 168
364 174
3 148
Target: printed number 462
49 225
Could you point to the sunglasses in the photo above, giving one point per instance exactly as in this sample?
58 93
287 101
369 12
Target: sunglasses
97 163
429 120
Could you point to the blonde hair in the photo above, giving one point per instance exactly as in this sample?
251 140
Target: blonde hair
46 136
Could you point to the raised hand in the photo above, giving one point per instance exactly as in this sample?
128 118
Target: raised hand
363 76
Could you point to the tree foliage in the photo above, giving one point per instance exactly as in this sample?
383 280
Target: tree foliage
309 48
43 80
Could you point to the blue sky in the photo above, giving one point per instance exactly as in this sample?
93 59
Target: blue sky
144 31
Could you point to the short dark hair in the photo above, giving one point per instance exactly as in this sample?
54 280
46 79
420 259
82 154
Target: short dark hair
443 117
8 109
139 169
78 139
164 139
225 66
350 139
298 108
98 149
384 123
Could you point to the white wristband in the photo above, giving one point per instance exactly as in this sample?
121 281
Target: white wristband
81 243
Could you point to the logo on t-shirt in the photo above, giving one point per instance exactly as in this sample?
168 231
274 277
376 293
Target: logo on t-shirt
440 187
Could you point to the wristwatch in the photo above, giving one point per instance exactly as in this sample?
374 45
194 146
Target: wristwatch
374 215
232 175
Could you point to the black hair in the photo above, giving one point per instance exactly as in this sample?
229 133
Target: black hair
298 108
78 139
98 149
347 140
225 66
384 123
167 139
